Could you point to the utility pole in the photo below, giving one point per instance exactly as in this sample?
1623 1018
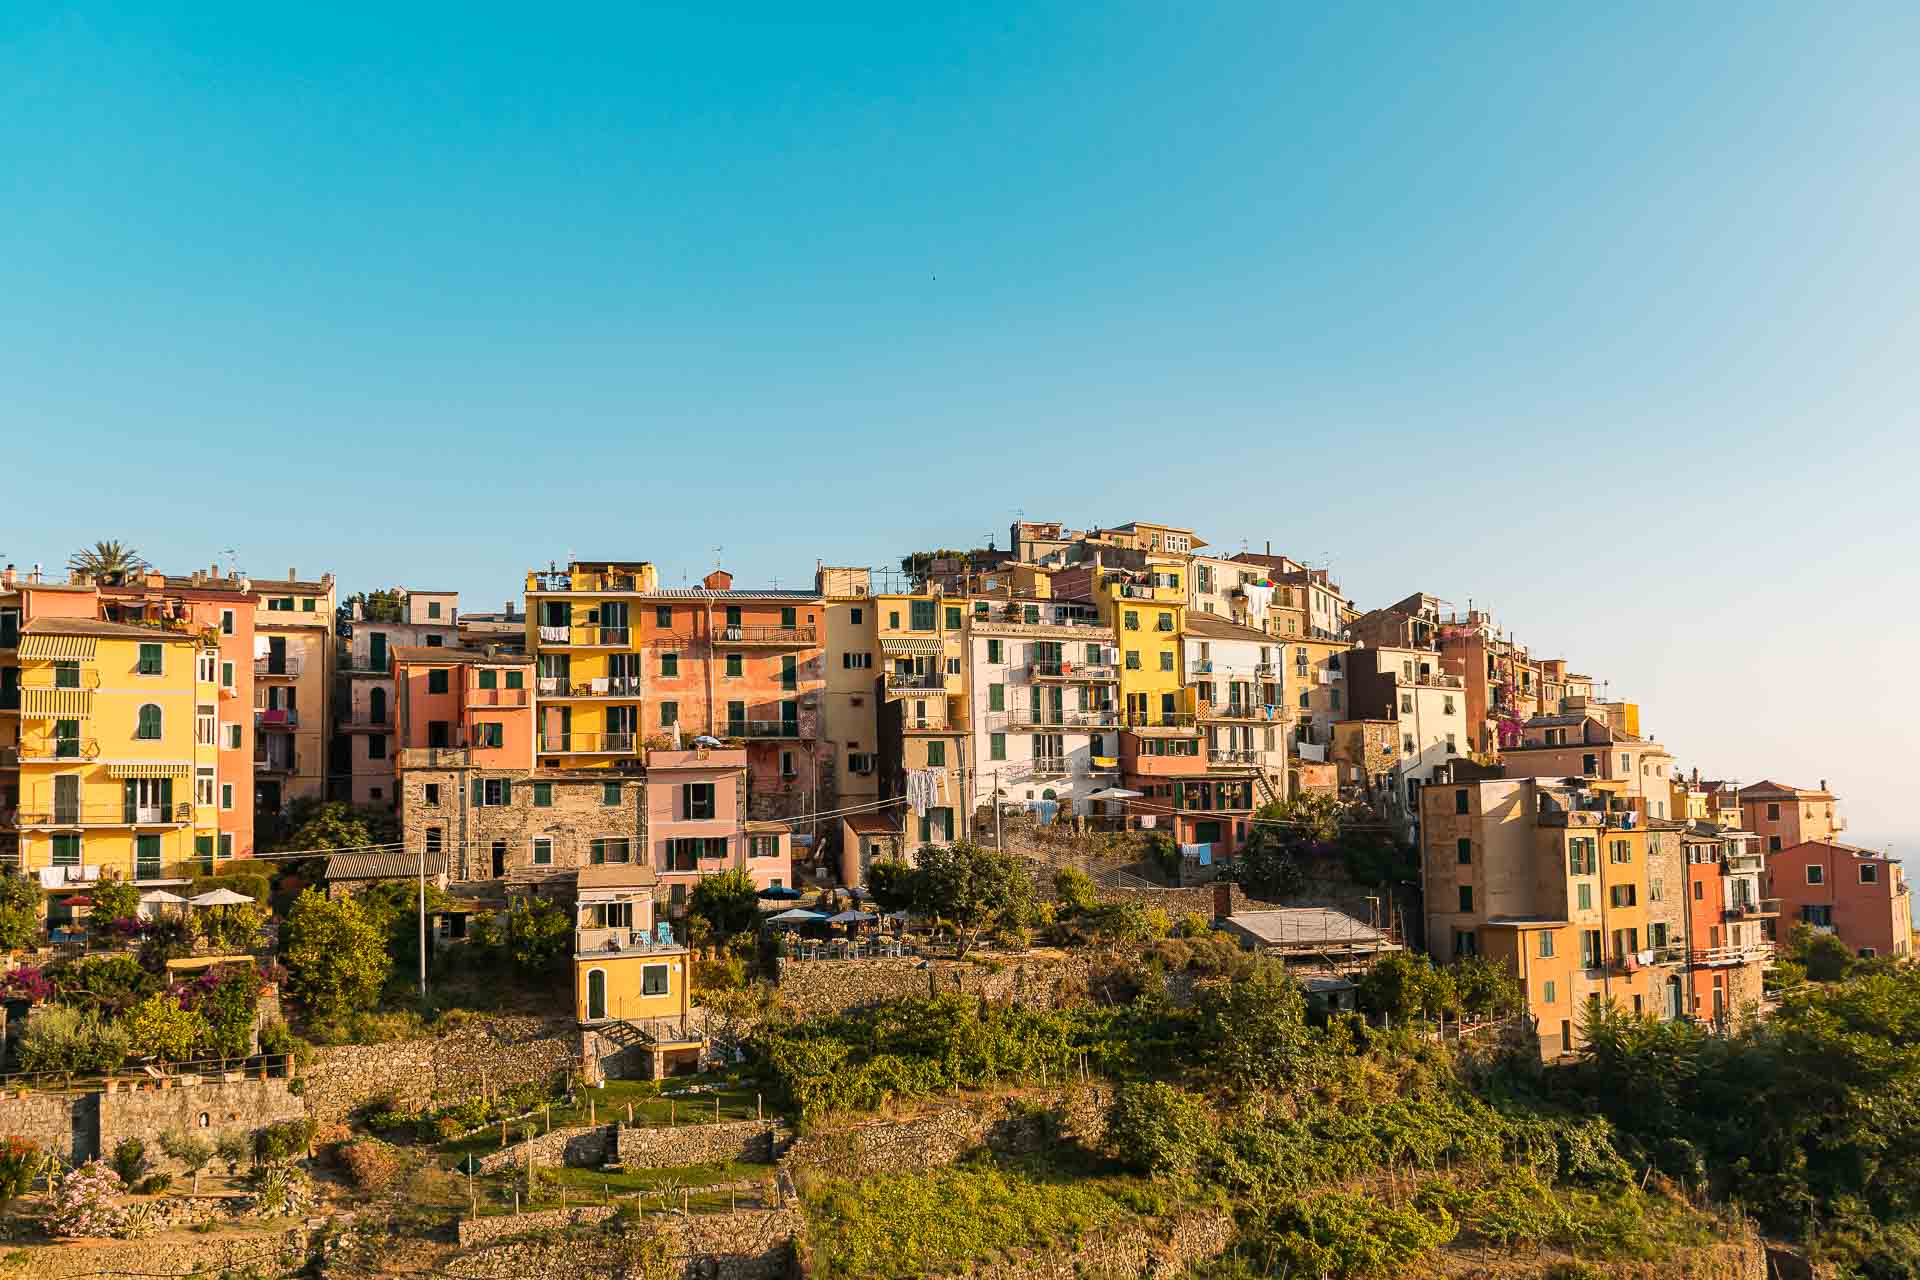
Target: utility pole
999 841
423 922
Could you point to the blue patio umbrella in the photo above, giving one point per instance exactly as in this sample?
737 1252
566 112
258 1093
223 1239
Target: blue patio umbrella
780 893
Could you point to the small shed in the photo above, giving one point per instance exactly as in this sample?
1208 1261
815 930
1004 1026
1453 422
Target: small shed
1327 938
349 873
867 838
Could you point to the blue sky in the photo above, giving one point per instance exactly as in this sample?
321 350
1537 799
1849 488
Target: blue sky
1601 314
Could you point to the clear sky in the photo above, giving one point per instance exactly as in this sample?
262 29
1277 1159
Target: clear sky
1603 315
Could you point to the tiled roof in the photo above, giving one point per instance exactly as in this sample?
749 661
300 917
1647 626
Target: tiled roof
616 875
1216 628
105 630
1767 787
383 866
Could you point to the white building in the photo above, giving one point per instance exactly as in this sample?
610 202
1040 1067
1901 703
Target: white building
1236 676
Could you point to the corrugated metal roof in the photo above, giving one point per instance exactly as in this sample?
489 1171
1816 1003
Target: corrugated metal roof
393 865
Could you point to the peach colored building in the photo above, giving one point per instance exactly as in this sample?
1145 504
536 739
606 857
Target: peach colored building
1579 744
1784 816
697 825
1859 895
366 713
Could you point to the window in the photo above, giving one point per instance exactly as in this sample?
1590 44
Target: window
1453 748
1656 889
1463 850
856 661
1622 895
1620 851
226 795
1546 947
226 675
1163 622
995 652
653 980
206 727
206 667
1868 953
1869 874
763 846
542 851
306 604
736 666
148 728
1447 709
1464 943
437 681
860 762
936 754
434 642
1466 897
430 794
603 851
1406 739
996 746
855 615
377 746
66 851
203 788
1547 992
488 679
1591 951
609 793
1460 800
491 792
1166 659
953 617
226 844
433 839
925 617
280 604
150 660
696 801
670 666
1406 704
490 733
226 622
516 679
1773 813
893 619
1773 844
1584 896
1133 659
1816 874
996 697
663 616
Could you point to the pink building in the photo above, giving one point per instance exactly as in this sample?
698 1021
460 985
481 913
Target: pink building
1857 894
696 822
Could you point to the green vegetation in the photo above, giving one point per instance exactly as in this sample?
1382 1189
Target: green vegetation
727 902
969 888
336 953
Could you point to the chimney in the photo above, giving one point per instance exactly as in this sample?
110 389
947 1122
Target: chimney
198 577
293 574
1823 784
6 578
1222 899
213 570
718 580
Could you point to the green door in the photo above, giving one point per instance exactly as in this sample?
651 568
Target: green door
596 994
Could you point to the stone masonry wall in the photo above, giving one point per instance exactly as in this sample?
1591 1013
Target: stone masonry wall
751 1244
44 1119
577 816
1165 1248
1007 1125
814 987
209 1110
495 1052
641 1146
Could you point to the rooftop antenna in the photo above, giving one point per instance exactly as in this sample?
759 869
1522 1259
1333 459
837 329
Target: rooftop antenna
717 552
233 563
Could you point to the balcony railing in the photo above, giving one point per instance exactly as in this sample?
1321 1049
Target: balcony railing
291 667
271 763
589 743
1232 759
1047 718
762 729
1051 767
916 682
1755 953
106 815
587 636
36 749
1072 671
1203 666
600 687
1242 711
1753 908
276 718
1161 720
619 941
477 697
773 637
435 757
83 679
1266 671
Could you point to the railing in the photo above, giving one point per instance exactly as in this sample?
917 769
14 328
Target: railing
276 718
1754 908
1050 767
1233 758
276 764
435 757
555 635
663 1031
84 678
361 724
1242 711
291 666
1203 666
1266 671
105 815
590 635
477 697
926 724
1071 671
625 941
1174 766
1015 616
1161 720
762 729
1047 718
781 636
59 749
916 682
1759 952
588 743
601 687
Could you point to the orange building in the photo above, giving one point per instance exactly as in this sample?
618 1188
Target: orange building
1858 895
1784 816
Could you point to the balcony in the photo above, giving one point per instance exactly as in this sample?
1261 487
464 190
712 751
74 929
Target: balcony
1049 767
589 744
1754 909
910 683
601 687
273 762
1242 711
40 750
275 718
361 724
435 757
1157 765
1716 957
107 815
623 942
1203 666
1232 760
1047 718
788 729
290 667
1266 671
1169 720
1015 615
477 697
766 637
1073 672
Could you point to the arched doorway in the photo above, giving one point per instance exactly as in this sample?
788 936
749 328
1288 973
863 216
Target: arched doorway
596 994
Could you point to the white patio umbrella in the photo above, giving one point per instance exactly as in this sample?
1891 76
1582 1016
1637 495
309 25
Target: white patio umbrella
1115 793
798 915
850 917
159 895
220 898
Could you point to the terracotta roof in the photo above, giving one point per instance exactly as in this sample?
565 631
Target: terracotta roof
616 875
1766 787
871 824
393 865
107 630
1216 628
1852 849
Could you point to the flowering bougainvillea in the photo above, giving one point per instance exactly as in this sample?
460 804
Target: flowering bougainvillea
86 1203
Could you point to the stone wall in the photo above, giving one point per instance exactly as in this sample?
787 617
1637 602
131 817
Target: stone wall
753 1244
1048 980
1011 1124
209 1110
641 1146
174 1254
1167 1247
493 1052
44 1119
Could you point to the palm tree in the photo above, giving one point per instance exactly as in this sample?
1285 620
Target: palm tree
108 561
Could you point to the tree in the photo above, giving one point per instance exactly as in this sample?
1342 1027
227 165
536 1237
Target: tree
335 953
1254 1030
1267 864
971 888
109 561
384 605
20 1162
234 928
1075 890
193 1152
1486 987
335 824
20 900
1158 1129
538 934
230 1008
1402 985
892 885
158 1027
728 902
113 900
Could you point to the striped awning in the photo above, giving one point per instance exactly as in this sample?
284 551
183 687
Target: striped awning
151 769
904 645
56 648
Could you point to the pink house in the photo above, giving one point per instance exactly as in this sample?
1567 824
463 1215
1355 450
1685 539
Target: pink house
696 823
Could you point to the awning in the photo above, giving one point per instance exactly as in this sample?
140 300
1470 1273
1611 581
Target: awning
58 648
151 769
910 647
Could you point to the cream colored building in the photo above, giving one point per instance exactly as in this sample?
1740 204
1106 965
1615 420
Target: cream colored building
852 697
293 666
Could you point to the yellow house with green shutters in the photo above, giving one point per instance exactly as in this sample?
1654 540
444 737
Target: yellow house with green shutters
118 754
1147 611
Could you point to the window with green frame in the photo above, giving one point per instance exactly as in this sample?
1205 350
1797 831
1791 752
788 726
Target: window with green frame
996 746
925 617
66 851
516 679
996 697
936 753
736 666
669 665
789 616
543 795
147 729
66 675
994 652
953 617
437 680
609 793
488 679
152 663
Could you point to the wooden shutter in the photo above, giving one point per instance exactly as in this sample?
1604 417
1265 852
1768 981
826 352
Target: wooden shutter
130 794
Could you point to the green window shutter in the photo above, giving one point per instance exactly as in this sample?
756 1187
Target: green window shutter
993 651
543 795
789 617
306 605
166 796
203 852
1030 612
130 797
953 617
996 697
997 746
516 679
489 680
733 615
936 753
437 681
506 791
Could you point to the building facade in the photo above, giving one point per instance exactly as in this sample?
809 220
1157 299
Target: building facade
1859 895
365 692
1783 816
293 661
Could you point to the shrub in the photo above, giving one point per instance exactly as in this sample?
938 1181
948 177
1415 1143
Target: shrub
104 983
1157 1129
234 928
130 1160
727 901
20 1162
154 1183
63 1039
336 954
282 1141
371 1163
1195 925
19 926
113 901
1337 1236
233 1150
281 1191
193 1152
86 1204
1075 890
230 1008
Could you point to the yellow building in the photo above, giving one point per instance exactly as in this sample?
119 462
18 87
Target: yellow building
1147 611
113 738
628 970
293 660
924 727
850 720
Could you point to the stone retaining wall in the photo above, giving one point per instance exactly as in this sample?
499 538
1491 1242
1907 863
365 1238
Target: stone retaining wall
80 1126
752 1244
1007 1125
1164 1248
496 1052
1046 980
642 1146
174 1254
44 1119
